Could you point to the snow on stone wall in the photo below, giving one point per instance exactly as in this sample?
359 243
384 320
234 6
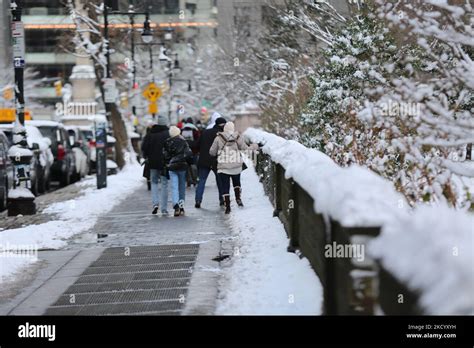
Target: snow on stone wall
429 249
354 196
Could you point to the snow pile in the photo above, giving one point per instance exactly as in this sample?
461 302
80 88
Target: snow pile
20 192
34 136
11 264
264 279
354 196
78 215
432 251
17 151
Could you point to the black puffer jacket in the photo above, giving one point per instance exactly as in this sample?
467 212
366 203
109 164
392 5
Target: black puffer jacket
204 144
152 146
177 154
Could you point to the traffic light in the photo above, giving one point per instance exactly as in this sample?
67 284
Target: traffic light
58 86
8 94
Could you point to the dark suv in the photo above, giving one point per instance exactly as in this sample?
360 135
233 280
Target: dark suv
64 166
6 171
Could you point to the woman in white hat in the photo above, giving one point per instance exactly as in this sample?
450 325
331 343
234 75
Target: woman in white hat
227 146
177 156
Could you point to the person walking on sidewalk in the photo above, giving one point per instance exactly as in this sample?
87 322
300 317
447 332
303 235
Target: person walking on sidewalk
152 150
177 157
227 147
191 134
206 162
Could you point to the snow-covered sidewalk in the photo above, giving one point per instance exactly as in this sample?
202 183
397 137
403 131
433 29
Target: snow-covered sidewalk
264 279
75 216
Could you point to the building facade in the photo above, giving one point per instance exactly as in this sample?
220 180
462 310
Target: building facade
47 23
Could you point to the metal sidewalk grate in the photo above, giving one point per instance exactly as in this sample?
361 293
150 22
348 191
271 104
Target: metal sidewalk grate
149 280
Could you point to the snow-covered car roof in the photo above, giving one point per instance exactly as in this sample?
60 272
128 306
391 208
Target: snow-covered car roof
80 128
33 135
7 126
43 123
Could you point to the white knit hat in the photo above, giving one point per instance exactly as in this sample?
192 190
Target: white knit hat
229 127
174 131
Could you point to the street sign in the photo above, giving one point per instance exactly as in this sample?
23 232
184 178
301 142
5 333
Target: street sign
152 93
18 36
110 90
153 108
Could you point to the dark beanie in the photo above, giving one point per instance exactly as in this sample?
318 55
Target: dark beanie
220 121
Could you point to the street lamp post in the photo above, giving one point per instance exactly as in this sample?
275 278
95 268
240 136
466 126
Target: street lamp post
109 86
21 199
173 65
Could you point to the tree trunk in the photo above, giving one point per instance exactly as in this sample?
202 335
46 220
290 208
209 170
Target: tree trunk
120 134
119 130
118 126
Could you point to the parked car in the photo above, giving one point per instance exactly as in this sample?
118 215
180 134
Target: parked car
64 166
81 150
40 162
6 170
44 154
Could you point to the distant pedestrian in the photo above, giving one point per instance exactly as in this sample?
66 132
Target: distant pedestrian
227 147
177 156
152 149
212 122
200 126
206 162
191 134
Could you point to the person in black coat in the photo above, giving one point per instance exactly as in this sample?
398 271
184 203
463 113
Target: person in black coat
206 162
152 150
177 156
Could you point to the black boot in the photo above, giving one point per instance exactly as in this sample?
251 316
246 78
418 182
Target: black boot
238 198
227 203
177 210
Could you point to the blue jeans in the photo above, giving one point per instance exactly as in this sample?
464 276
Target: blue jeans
178 187
156 178
203 175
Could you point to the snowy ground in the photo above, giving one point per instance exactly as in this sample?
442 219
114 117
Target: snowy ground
264 279
75 216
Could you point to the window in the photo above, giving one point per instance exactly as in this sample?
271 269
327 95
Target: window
57 70
44 7
42 40
191 7
163 6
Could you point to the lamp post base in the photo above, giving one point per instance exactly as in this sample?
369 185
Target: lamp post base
21 206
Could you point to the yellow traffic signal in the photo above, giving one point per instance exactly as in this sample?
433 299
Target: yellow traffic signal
8 93
58 86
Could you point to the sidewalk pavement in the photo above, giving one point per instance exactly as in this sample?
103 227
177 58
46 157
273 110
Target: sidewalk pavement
147 265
